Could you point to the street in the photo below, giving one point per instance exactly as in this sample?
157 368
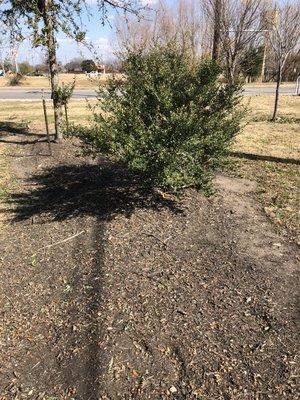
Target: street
81 94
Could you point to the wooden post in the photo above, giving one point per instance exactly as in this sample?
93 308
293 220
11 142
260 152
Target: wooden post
67 118
46 122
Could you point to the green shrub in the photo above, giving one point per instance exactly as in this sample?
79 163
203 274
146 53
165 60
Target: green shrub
168 120
88 66
25 68
65 92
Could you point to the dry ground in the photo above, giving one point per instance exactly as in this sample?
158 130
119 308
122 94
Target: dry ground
110 292
277 167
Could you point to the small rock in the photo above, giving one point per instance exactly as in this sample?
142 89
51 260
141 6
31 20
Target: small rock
173 389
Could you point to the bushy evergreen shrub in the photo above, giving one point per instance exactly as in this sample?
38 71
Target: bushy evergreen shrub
167 119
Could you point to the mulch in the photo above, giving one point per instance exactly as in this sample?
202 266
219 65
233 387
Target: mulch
112 291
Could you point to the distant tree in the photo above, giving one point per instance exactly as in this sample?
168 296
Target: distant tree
114 65
8 66
284 37
180 22
44 19
292 69
74 65
25 68
237 24
88 66
251 63
42 68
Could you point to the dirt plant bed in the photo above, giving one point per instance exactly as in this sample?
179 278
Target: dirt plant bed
111 292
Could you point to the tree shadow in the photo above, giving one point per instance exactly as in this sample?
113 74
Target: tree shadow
20 131
13 127
259 157
66 192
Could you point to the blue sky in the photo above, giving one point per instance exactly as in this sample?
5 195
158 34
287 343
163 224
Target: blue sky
101 36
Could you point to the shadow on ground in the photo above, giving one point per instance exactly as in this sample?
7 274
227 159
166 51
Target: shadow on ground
18 133
15 128
66 191
260 157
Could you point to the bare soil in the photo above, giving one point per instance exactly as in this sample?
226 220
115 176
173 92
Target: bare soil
109 291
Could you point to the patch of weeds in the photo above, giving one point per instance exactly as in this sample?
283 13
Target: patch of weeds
32 260
15 80
4 194
68 289
265 140
231 166
278 189
283 119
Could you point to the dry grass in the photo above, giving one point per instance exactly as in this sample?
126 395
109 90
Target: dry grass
268 84
278 182
42 82
7 182
261 107
30 113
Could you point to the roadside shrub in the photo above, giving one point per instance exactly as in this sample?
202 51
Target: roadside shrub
168 120
65 92
15 79
25 68
88 66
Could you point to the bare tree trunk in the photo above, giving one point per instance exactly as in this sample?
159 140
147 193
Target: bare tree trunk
53 67
279 74
263 64
217 30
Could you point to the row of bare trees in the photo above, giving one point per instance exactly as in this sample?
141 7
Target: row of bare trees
222 29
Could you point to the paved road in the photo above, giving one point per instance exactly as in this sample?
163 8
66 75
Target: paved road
35 94
254 90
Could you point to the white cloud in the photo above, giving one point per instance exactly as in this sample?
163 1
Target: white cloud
65 40
148 2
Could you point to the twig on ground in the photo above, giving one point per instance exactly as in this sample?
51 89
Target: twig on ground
60 242
10 301
157 238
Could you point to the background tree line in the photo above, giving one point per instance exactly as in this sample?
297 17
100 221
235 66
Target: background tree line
238 34
247 38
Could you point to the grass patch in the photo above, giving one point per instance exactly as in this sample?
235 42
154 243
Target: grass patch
261 107
6 183
278 181
285 119
29 114
82 81
278 189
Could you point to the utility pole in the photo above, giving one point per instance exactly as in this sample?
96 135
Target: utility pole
217 29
